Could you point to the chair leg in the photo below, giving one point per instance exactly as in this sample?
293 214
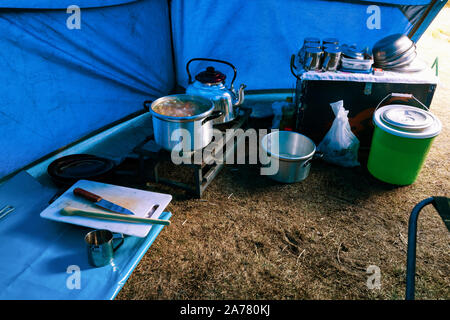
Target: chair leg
411 253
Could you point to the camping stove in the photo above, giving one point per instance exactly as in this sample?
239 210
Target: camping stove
204 170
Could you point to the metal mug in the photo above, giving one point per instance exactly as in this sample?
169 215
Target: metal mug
307 43
331 59
313 58
330 42
101 248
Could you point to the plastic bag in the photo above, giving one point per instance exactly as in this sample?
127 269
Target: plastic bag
340 146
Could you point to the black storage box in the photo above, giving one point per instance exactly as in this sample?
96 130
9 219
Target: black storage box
361 94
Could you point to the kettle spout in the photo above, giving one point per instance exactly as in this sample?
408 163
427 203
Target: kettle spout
240 95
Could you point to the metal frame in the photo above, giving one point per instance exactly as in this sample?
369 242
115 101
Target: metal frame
443 210
149 151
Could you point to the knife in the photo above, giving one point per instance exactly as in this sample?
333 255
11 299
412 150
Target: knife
99 201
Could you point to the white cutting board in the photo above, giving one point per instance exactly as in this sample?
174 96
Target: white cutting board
140 202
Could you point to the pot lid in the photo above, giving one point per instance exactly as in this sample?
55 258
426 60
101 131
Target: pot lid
313 50
311 40
407 118
210 75
332 49
352 52
330 40
407 121
331 45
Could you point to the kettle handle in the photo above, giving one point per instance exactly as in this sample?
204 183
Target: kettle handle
212 60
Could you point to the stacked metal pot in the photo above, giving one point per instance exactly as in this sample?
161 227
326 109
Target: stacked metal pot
396 53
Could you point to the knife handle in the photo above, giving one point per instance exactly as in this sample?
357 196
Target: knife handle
87 195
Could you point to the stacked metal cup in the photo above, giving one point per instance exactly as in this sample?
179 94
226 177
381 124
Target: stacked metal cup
331 54
315 56
308 43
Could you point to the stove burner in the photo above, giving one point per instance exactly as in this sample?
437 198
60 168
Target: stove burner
204 172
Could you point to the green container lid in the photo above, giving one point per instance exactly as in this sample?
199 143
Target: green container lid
406 121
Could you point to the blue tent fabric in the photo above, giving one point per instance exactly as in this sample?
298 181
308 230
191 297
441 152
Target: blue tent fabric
35 253
259 37
58 85
60 4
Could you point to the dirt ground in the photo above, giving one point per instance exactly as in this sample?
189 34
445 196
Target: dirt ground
252 238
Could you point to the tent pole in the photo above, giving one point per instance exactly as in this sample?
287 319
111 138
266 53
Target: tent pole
422 19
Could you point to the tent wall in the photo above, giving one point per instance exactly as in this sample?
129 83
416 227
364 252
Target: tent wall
58 85
60 4
258 37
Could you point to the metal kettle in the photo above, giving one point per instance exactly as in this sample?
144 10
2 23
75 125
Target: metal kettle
210 84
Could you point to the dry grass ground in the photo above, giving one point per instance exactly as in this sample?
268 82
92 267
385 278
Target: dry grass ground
251 238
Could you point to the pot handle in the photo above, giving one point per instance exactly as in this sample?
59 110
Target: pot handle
120 239
212 60
214 115
293 66
404 97
147 104
317 155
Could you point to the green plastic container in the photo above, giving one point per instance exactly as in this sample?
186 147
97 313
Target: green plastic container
402 138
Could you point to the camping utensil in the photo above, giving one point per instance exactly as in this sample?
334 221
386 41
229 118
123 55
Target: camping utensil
293 152
210 84
99 201
330 42
331 58
101 248
170 131
352 52
6 210
69 211
392 46
309 42
312 59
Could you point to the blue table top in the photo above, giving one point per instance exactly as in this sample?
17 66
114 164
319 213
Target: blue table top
43 259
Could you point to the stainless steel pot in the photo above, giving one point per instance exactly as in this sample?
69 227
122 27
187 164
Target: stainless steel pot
293 152
184 133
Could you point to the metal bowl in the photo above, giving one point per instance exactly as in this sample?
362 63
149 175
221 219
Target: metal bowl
411 51
291 153
392 46
400 62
